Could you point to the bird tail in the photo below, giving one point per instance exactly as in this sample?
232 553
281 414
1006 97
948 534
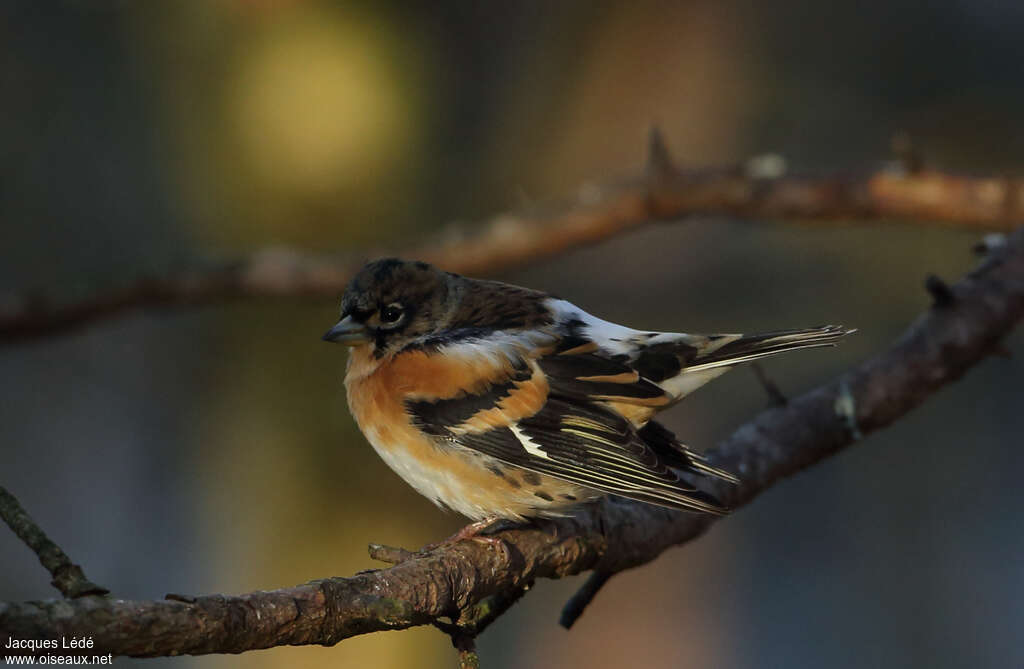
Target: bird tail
729 350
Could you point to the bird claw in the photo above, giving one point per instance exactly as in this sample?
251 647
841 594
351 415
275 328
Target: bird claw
495 542
475 532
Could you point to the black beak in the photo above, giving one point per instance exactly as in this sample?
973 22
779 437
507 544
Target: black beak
347 332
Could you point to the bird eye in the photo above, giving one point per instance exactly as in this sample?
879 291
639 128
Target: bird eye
391 313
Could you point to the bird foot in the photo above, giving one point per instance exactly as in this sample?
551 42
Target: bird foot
476 532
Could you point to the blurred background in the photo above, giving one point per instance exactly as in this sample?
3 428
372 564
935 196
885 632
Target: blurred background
210 450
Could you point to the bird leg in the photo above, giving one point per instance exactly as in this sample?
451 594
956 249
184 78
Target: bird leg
475 532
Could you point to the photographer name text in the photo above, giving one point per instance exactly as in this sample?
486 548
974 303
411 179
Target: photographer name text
64 643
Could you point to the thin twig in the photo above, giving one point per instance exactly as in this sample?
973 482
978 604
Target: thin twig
574 608
450 581
389 554
68 577
941 294
775 395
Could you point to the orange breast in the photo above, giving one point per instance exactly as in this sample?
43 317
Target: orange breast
471 483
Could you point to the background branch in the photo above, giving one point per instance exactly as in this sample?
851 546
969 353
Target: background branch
466 583
661 193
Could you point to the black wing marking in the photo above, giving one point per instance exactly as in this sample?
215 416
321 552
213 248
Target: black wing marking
658 362
674 454
589 376
593 447
664 443
438 415
578 368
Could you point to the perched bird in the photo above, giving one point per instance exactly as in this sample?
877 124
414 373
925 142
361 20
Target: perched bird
502 402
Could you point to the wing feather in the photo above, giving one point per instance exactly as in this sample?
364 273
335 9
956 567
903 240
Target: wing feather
591 377
548 418
576 403
675 364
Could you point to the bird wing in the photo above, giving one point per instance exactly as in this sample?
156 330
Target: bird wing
549 412
575 401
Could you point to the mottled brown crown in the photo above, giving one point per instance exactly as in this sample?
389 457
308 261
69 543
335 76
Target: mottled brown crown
437 306
388 280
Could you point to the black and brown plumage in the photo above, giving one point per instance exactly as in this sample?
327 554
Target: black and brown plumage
503 402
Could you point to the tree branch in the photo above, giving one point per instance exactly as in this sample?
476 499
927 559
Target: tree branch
574 608
68 577
468 582
662 192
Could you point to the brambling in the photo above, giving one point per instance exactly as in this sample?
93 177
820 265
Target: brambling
502 402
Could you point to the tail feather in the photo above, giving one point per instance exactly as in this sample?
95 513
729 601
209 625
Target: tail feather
746 348
709 356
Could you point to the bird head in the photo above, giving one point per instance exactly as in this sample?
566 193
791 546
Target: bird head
394 304
391 303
